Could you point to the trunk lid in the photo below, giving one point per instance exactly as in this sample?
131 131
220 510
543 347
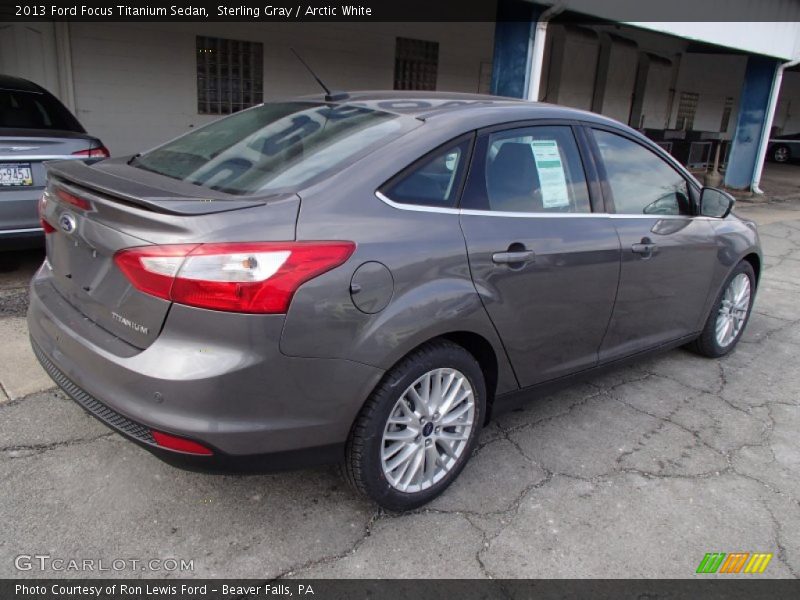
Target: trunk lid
124 213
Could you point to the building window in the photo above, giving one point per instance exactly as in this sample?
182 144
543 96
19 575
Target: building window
229 75
686 111
726 114
416 64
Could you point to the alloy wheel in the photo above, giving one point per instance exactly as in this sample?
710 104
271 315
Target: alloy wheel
733 310
427 430
781 154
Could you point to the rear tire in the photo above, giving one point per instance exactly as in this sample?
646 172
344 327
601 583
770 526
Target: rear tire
729 315
402 453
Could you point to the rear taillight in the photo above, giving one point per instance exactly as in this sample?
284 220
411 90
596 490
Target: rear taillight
250 277
99 152
173 442
72 199
42 206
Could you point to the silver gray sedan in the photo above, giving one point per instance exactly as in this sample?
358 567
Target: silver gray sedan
366 279
34 127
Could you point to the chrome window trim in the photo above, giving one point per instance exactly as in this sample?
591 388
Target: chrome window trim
530 215
29 230
416 207
527 215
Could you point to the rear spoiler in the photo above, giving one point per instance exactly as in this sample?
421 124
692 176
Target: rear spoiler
112 183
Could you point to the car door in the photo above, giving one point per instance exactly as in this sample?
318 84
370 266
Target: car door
544 264
668 253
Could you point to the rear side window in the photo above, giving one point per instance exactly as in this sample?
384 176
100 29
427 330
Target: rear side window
529 170
34 110
274 147
641 182
434 180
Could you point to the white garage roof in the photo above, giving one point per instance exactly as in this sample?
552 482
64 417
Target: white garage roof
768 27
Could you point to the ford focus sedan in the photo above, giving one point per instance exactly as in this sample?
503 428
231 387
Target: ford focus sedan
365 279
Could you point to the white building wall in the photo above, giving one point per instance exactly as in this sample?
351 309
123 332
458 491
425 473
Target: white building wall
579 66
787 113
135 83
714 77
769 27
655 103
623 60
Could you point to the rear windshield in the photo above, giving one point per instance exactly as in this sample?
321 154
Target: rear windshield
34 110
273 147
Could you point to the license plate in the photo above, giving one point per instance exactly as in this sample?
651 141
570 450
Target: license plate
15 174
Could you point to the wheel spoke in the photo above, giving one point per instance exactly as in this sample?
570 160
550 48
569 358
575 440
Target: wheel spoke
401 457
456 413
454 435
458 395
397 420
401 435
413 470
391 450
722 321
445 390
447 447
431 464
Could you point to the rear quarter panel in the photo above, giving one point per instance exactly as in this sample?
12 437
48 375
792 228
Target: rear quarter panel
432 293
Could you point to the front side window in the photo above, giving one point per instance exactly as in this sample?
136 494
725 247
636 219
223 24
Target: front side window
532 170
274 147
640 181
433 181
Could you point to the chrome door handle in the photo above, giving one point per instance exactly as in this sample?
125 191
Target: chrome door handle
646 249
511 258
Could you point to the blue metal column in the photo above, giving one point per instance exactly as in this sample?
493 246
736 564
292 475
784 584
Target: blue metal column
513 34
751 121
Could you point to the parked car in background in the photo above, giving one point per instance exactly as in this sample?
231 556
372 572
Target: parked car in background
365 279
34 127
784 148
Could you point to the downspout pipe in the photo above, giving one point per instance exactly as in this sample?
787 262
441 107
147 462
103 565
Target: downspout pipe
765 134
537 51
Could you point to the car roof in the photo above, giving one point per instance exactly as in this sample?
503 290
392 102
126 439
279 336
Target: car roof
484 108
7 82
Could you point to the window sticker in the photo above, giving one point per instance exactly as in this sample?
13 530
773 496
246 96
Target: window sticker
552 179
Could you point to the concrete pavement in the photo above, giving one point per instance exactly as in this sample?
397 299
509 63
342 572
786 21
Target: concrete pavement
636 473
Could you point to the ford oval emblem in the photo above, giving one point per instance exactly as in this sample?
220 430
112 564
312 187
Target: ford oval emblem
67 223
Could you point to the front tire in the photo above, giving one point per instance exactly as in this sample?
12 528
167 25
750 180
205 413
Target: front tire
729 315
418 428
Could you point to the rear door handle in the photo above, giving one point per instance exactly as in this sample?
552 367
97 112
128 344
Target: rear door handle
516 257
646 248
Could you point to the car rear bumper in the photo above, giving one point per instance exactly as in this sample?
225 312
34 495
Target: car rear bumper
21 239
18 208
220 381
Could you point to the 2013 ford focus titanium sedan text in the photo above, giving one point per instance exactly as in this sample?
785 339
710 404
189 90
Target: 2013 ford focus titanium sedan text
363 279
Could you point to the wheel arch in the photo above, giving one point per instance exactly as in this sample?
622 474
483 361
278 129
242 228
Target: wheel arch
485 354
479 347
755 262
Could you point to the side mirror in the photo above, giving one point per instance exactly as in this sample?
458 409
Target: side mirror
715 203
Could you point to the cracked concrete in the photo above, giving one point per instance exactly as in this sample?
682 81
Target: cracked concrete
634 473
